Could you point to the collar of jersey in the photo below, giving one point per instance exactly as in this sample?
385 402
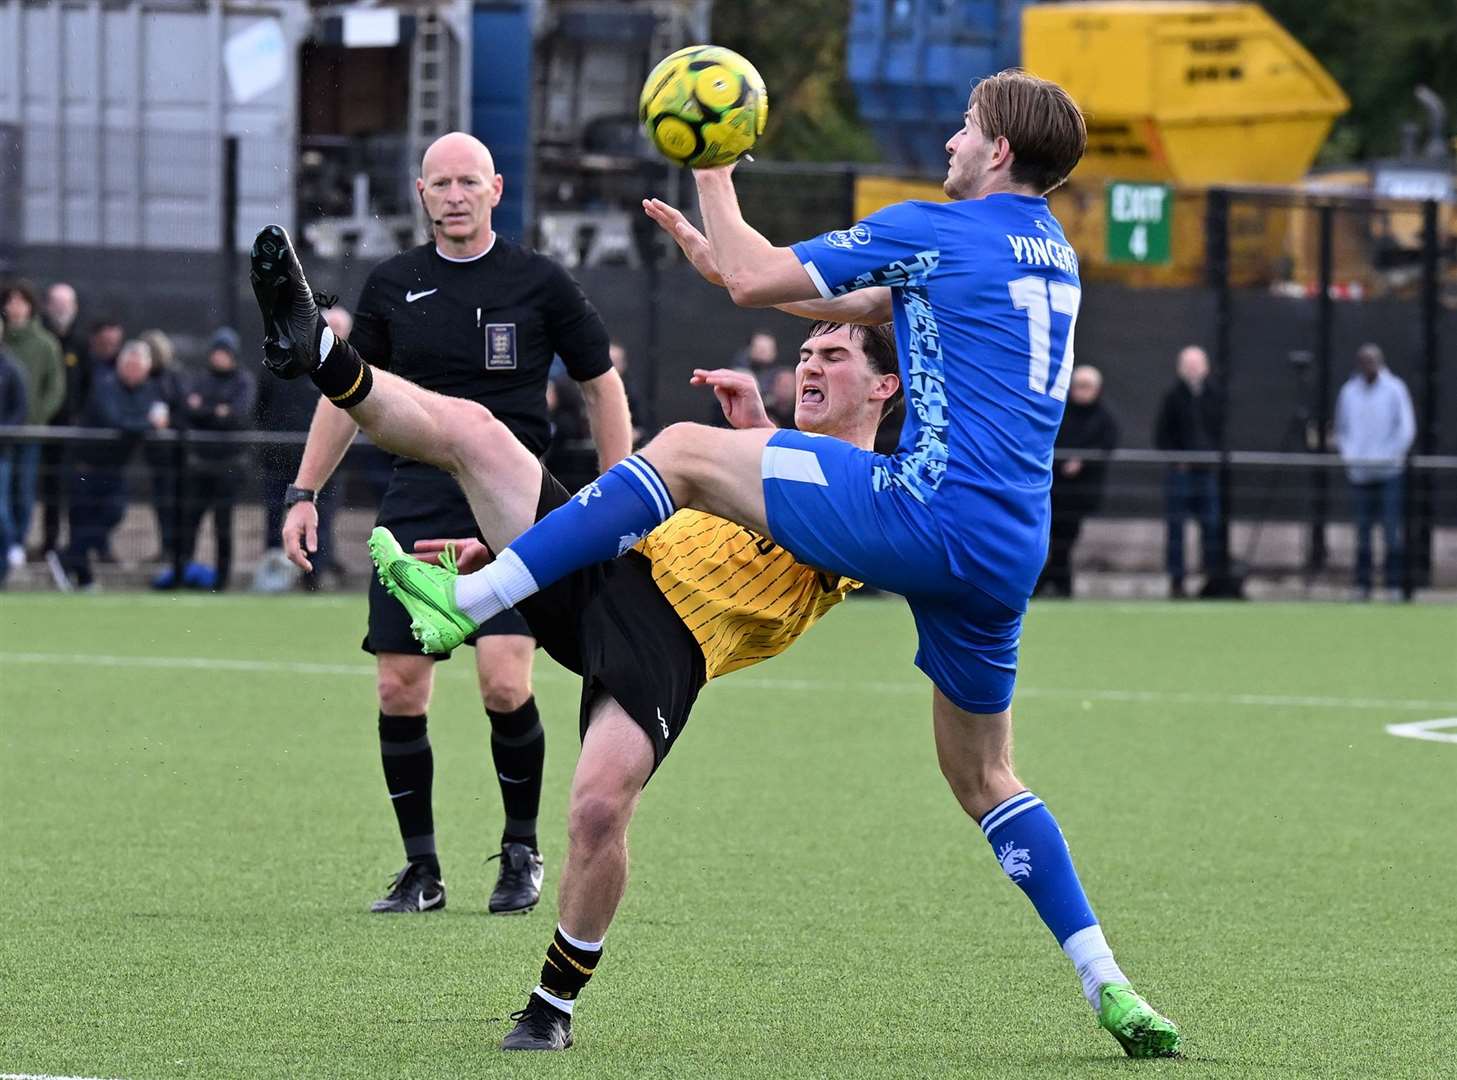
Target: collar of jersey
473 258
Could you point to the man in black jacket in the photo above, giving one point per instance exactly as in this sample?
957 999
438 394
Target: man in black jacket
125 398
1077 483
221 398
1191 418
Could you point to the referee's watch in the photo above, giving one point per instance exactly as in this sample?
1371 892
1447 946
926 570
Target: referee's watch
294 494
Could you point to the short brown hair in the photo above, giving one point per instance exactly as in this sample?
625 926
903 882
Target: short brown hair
1039 120
22 288
878 342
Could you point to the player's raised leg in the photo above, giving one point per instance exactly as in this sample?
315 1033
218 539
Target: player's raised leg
975 753
687 465
499 476
616 761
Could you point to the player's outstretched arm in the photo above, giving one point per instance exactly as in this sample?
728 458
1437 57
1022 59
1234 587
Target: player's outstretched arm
866 307
690 241
738 396
754 271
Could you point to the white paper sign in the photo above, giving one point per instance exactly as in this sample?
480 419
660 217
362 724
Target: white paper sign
254 60
366 28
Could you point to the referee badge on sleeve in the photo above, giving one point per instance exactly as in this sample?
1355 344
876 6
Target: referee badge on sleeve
501 346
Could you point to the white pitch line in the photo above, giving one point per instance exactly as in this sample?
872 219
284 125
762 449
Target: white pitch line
552 674
47 1076
1429 730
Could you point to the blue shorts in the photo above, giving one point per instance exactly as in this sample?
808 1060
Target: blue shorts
822 507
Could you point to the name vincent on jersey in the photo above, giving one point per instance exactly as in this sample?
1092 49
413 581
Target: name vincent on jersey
1040 251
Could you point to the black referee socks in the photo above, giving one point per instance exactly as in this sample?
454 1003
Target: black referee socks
342 375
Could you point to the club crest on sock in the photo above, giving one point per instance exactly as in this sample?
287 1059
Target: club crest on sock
1016 862
630 540
591 491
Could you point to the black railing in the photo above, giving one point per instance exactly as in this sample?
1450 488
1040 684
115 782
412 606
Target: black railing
164 482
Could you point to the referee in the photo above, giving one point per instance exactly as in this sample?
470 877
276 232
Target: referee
469 315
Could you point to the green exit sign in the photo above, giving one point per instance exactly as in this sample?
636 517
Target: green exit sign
1138 222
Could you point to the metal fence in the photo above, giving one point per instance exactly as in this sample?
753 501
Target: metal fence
129 511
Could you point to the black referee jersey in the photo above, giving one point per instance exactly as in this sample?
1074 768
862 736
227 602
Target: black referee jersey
484 329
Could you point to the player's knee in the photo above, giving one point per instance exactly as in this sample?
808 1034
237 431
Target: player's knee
402 692
680 454
598 819
502 695
475 435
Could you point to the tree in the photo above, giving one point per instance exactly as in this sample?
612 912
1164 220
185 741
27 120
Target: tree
799 48
1379 53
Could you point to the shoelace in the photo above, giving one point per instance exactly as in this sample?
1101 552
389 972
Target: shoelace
537 1018
447 562
397 883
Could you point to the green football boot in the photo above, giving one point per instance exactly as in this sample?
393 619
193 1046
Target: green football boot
1141 1031
428 592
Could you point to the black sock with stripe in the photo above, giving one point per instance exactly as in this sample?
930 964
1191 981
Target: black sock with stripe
342 375
409 774
567 968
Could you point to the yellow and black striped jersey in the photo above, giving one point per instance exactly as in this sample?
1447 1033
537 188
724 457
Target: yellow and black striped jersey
742 596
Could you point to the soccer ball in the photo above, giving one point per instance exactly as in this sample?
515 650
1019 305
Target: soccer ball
704 106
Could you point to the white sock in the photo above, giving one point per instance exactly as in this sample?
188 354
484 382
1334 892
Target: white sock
491 590
1089 952
551 999
585 946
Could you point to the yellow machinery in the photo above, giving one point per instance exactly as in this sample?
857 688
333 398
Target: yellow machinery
1192 93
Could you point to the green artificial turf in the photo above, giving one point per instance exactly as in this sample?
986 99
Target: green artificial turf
194 821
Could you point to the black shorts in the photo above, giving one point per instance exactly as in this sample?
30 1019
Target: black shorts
612 625
423 504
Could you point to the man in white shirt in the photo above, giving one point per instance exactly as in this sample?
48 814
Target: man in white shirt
1375 426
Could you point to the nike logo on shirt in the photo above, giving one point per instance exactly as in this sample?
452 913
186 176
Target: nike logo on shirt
411 297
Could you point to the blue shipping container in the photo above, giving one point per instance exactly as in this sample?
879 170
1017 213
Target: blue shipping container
912 63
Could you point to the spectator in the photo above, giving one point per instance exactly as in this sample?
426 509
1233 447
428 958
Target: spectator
39 356
125 398
60 315
760 358
1077 483
1375 427
221 398
166 484
779 402
103 342
1191 418
288 406
12 412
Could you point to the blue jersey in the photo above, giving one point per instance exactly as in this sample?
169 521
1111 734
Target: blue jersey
985 296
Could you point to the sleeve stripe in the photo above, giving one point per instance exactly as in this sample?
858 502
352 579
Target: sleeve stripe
819 280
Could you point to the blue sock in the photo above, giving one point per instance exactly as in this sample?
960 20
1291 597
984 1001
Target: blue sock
595 525
1029 845
1026 840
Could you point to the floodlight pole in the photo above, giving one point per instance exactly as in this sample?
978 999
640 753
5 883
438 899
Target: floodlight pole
1216 259
1317 554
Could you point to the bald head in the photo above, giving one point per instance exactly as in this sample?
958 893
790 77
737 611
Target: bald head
1193 366
61 305
457 151
1087 384
458 188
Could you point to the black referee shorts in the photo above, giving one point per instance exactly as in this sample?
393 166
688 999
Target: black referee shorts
423 504
612 625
